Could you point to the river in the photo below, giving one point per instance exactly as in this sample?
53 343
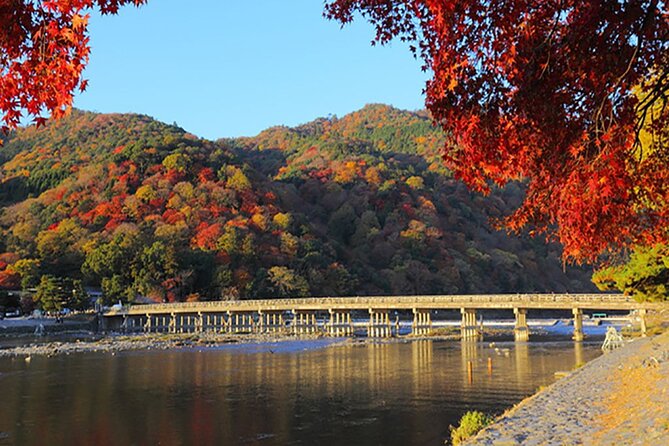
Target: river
285 393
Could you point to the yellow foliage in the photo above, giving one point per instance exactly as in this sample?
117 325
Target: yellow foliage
372 176
145 193
415 182
282 220
260 220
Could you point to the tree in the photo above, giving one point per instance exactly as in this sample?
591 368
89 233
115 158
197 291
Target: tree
176 161
287 283
110 264
555 93
28 269
156 264
645 276
44 47
55 293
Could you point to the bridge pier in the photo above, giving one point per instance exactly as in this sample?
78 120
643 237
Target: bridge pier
379 324
578 324
199 323
468 328
422 322
521 332
271 321
241 322
216 323
339 323
243 316
304 322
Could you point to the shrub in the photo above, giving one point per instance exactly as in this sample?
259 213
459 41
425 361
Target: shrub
470 424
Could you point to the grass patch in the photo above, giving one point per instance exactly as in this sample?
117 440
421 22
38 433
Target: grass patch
470 424
444 331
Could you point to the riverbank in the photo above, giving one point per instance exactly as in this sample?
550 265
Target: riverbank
113 343
18 337
618 398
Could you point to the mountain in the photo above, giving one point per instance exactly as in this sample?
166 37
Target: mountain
358 205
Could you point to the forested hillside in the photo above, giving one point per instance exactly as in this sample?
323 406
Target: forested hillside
356 205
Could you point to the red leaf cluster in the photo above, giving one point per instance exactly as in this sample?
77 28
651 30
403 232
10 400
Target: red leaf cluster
44 47
555 93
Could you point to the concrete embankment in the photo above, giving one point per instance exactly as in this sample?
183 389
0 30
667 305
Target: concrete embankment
620 398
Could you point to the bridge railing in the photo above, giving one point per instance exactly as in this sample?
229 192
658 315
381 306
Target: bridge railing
325 302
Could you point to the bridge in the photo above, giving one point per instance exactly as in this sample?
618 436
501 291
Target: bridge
332 315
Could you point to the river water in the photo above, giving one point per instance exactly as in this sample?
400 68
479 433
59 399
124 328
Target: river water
286 393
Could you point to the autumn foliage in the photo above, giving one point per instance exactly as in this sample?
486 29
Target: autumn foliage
569 96
338 206
44 47
557 93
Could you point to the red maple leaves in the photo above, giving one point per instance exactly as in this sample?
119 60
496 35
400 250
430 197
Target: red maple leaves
44 47
558 93
553 92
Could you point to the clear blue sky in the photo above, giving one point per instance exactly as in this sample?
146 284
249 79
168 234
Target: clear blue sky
232 68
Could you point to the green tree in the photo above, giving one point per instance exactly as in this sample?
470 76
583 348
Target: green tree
157 263
342 222
176 161
55 293
78 298
645 276
110 265
116 288
287 283
415 182
237 180
29 270
229 241
59 249
49 295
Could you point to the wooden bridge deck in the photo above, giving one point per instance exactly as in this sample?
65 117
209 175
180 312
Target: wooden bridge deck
436 302
298 316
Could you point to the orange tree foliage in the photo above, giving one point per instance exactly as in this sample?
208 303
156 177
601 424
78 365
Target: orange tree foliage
553 92
44 47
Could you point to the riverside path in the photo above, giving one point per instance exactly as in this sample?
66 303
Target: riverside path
333 315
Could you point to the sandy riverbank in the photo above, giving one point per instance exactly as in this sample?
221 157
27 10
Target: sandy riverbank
620 398
17 337
90 342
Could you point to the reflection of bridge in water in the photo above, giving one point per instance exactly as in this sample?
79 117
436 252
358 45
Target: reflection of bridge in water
333 315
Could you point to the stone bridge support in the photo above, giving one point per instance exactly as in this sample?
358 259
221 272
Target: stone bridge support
422 322
379 324
521 332
271 321
468 328
578 324
211 323
187 323
339 323
217 323
241 322
304 322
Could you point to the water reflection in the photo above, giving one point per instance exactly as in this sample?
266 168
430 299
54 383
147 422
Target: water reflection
386 393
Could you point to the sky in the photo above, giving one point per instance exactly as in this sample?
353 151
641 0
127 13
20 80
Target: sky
224 68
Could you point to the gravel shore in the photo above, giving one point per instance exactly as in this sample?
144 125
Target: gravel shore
117 343
620 398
